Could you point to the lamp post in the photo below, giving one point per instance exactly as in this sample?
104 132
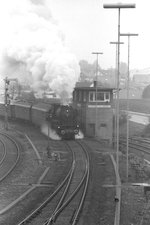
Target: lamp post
115 128
128 81
97 54
118 6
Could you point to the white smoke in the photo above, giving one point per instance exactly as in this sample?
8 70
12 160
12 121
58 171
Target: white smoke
80 135
32 47
46 129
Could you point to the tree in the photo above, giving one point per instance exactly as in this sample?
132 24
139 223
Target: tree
87 70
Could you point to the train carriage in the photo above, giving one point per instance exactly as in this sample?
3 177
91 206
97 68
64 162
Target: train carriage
3 110
22 111
39 113
61 118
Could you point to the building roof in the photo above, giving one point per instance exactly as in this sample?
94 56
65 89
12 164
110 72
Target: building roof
94 88
84 84
91 86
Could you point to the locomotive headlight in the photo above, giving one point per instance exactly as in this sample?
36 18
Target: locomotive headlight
58 127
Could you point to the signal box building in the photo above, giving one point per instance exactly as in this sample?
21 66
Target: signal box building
95 115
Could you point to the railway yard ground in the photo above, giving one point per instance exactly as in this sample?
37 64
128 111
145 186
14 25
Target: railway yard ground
99 206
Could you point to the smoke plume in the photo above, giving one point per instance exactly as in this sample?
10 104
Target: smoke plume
32 47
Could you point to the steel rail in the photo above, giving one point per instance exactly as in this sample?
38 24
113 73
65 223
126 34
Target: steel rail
85 189
137 146
42 205
17 159
84 181
4 155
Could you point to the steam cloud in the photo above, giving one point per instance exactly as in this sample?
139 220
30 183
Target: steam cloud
32 47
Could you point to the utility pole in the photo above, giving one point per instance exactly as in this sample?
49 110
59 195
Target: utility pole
128 84
118 6
96 81
115 120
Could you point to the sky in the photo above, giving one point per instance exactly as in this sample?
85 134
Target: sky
88 27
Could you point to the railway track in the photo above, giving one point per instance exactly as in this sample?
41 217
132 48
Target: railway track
137 143
11 155
50 202
23 194
66 202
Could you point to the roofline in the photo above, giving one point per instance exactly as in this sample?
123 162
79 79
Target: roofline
93 88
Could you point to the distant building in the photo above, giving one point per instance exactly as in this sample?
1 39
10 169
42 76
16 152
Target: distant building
134 93
141 78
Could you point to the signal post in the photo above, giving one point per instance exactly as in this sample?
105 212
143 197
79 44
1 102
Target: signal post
7 99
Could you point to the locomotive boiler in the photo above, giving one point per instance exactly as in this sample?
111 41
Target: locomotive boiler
64 120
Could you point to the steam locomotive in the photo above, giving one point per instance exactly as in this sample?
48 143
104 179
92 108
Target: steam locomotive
63 119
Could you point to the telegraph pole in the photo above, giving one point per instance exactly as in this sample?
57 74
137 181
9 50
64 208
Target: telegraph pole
128 84
115 120
118 6
96 53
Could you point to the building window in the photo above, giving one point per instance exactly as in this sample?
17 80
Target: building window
107 96
101 96
91 96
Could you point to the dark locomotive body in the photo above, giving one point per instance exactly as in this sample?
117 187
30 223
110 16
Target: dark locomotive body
61 118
